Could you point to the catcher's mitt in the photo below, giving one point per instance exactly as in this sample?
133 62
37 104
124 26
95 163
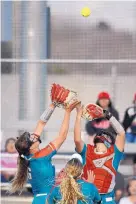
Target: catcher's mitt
92 111
62 97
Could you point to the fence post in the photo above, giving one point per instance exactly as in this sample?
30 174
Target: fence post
33 77
114 82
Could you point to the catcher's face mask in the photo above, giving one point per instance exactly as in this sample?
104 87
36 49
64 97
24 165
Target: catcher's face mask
24 142
104 137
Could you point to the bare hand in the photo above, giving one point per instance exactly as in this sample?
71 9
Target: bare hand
90 177
72 106
79 108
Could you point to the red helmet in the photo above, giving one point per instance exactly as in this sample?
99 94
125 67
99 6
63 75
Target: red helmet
104 137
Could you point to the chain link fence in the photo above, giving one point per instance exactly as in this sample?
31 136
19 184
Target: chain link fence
45 42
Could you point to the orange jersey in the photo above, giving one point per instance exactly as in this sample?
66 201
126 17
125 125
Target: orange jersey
104 167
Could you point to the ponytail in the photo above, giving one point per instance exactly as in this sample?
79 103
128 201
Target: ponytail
70 191
21 176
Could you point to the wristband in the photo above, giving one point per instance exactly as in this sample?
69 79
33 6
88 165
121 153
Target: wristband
107 114
116 125
47 113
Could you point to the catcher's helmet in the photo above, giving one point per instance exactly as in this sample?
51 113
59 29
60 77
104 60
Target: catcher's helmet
23 143
104 137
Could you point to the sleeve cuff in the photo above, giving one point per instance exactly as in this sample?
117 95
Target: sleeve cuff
83 150
52 146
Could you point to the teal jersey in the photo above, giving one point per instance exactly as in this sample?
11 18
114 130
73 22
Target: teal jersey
41 172
89 191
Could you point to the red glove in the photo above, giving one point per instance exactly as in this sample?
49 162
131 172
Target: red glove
58 94
92 111
61 96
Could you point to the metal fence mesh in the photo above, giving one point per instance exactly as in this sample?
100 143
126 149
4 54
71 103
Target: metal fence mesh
55 30
87 82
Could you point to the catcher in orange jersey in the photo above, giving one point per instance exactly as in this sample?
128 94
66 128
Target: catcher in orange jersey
104 157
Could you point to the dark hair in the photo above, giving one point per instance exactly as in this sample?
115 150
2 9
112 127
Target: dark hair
128 185
110 105
8 140
21 176
90 129
111 109
23 144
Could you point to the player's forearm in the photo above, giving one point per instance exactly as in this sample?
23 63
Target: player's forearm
117 126
39 128
65 126
120 139
77 130
114 123
63 131
47 113
77 135
44 119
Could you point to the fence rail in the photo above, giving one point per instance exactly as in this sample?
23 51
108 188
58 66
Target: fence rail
75 61
59 163
16 155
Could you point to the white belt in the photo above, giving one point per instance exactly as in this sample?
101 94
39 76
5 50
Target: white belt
108 199
41 194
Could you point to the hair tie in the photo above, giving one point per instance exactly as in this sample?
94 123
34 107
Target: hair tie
24 157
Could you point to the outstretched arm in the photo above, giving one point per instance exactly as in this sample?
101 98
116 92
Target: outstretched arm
44 119
64 127
54 145
39 127
77 130
120 139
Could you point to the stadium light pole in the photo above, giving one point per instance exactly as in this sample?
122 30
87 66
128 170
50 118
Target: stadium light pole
33 77
16 33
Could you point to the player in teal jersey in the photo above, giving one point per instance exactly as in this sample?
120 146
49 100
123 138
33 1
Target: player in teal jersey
73 189
36 164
